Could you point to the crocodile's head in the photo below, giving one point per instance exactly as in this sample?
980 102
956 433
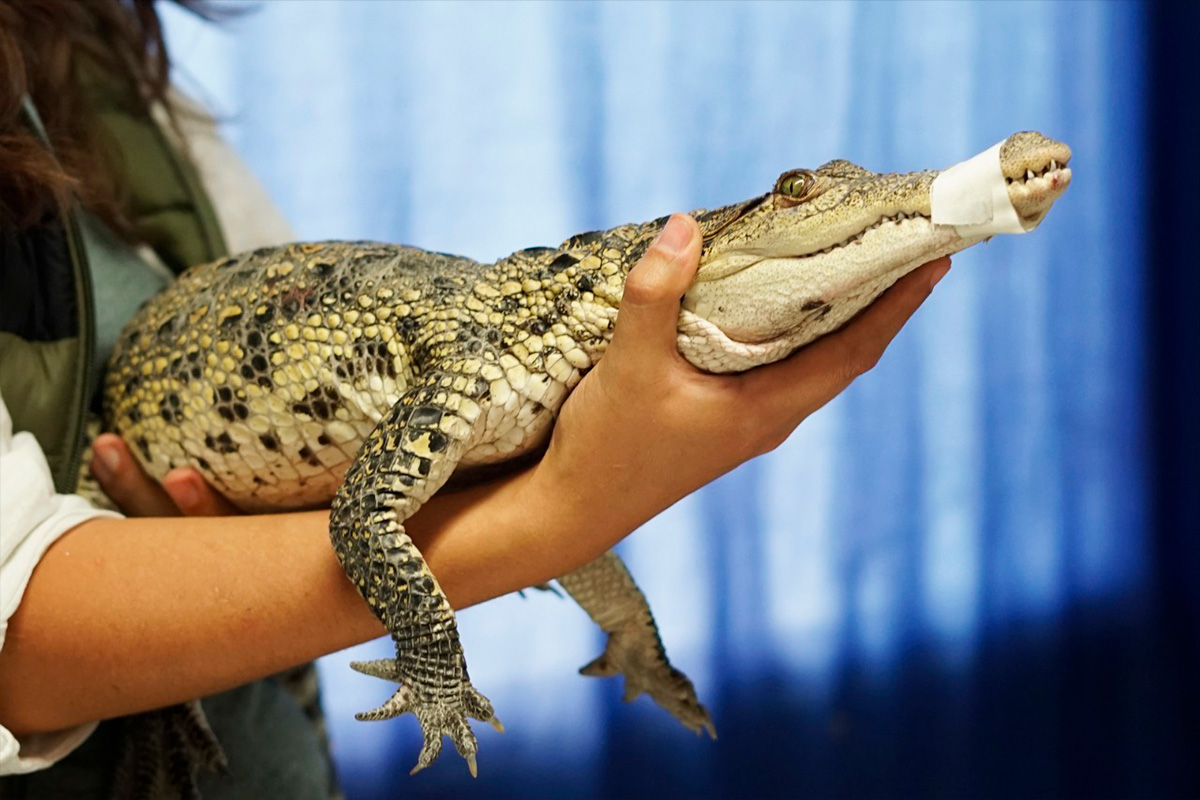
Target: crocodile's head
792 265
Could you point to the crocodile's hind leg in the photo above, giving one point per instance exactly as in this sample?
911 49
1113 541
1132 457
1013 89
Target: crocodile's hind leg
402 463
607 592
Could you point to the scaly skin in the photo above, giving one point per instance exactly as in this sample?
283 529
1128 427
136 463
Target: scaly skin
605 589
368 373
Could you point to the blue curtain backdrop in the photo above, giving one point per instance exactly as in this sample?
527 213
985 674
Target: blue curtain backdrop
946 582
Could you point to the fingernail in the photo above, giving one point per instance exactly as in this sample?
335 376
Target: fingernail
939 272
675 235
109 459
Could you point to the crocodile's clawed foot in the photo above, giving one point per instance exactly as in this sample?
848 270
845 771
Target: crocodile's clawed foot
647 671
439 716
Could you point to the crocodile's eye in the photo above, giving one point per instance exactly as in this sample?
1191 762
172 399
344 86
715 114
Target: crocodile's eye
796 185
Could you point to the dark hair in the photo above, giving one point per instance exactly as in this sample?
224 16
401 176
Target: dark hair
43 44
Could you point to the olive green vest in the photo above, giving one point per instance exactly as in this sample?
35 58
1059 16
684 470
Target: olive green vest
47 384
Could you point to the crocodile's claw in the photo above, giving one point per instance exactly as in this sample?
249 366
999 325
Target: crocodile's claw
541 587
647 671
438 716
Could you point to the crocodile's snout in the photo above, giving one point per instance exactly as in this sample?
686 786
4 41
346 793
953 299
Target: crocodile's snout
1035 169
826 242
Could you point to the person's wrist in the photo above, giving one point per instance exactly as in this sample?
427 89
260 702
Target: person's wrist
570 494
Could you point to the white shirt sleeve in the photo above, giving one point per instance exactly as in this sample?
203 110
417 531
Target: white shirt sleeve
32 517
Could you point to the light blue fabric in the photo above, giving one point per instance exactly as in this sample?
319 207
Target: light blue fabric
966 498
122 280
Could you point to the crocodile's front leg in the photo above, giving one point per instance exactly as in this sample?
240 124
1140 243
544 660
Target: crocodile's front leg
607 592
408 456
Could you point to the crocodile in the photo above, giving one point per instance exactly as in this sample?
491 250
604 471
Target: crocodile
363 375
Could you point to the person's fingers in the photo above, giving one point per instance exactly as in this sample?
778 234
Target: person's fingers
829 365
125 482
192 494
650 305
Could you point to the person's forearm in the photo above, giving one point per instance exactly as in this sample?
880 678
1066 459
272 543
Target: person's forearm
124 615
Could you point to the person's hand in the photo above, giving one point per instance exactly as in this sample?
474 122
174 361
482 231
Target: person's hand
646 428
183 492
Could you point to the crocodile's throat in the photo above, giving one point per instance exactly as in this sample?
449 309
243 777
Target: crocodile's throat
815 294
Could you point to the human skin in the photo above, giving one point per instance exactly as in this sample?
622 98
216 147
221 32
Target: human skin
125 615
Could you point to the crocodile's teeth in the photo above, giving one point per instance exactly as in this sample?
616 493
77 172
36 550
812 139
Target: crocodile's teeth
1029 174
1053 165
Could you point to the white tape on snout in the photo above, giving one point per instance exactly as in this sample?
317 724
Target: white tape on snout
972 196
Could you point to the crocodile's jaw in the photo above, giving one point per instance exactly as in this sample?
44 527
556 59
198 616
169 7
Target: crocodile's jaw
810 296
795 272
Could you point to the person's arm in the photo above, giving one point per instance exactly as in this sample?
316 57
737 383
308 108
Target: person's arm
125 615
